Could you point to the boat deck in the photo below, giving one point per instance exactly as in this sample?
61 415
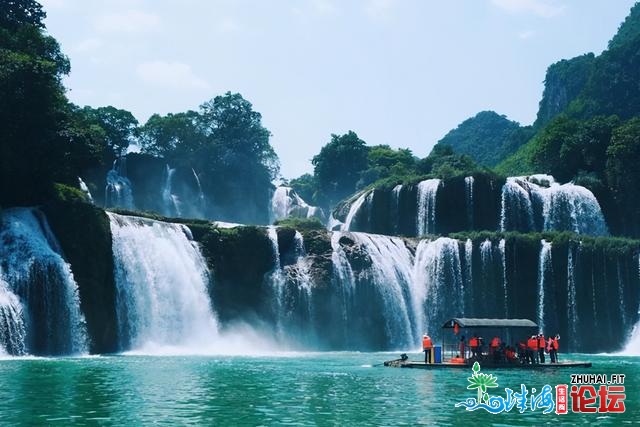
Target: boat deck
399 363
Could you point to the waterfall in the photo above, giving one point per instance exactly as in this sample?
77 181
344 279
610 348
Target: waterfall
118 191
343 280
364 199
538 203
426 219
503 259
39 300
161 287
572 208
12 322
468 187
572 306
285 202
292 290
481 303
395 208
201 198
621 302
391 275
468 257
438 285
171 201
85 189
280 203
632 347
544 268
517 210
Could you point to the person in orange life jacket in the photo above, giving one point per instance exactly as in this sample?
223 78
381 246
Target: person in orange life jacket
541 345
532 349
427 345
552 348
461 347
473 345
494 346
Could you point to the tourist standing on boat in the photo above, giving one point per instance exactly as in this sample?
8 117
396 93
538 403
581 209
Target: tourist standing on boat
473 344
552 346
461 347
427 345
494 349
532 349
541 346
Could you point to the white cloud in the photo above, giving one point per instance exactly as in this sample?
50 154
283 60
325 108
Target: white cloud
542 8
379 8
51 4
87 45
324 7
524 35
228 25
170 75
132 21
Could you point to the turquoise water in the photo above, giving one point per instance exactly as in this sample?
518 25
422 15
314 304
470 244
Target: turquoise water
291 389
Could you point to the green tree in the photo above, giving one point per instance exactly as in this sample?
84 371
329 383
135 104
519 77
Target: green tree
623 172
338 166
385 162
172 136
306 186
35 146
230 121
17 13
120 126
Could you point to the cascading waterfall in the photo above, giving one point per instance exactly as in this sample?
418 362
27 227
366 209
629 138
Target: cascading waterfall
572 208
85 189
438 285
505 287
468 257
538 203
285 202
544 269
486 256
364 199
13 330
292 290
118 191
161 287
201 197
395 207
517 210
280 203
391 275
426 218
620 281
572 304
39 301
171 201
344 280
468 186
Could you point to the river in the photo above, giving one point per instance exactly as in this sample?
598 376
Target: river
278 389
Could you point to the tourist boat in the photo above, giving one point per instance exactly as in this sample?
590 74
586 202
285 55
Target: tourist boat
448 356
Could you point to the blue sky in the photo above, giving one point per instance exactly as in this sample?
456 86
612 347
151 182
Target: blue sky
397 72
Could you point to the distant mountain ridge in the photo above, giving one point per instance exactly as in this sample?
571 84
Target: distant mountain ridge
488 138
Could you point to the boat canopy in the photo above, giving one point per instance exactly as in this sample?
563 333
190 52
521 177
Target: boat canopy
466 322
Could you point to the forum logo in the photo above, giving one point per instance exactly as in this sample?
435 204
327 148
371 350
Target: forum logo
588 394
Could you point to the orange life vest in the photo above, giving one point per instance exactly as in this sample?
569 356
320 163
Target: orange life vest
532 343
473 342
495 342
541 342
426 343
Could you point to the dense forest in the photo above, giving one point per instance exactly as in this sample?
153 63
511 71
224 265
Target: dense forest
587 131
